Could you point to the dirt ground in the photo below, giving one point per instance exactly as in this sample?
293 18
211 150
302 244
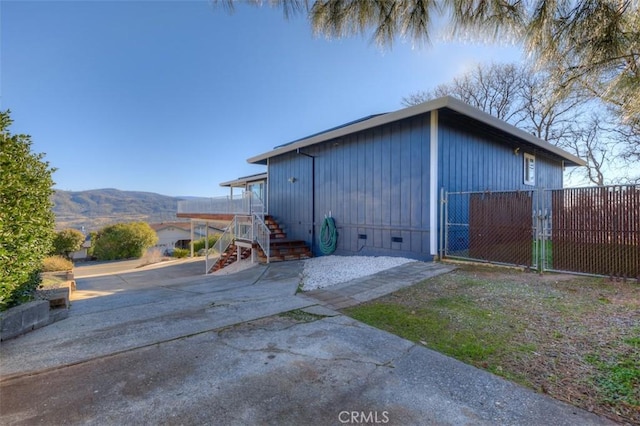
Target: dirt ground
575 338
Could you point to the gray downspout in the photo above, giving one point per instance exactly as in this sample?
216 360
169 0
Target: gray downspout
313 196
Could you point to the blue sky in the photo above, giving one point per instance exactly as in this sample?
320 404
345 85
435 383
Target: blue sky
173 97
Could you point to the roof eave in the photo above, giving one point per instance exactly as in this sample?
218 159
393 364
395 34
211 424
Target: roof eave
435 104
482 116
343 131
242 181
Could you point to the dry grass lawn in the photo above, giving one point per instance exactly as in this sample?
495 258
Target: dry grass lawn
574 338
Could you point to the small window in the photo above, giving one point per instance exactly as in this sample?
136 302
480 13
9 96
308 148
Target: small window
529 169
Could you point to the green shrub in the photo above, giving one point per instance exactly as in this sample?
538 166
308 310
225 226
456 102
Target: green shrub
199 244
180 253
18 293
93 237
26 218
67 241
124 241
56 263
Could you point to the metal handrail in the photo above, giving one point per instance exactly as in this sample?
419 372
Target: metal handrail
243 227
256 206
225 240
262 235
248 203
223 204
247 224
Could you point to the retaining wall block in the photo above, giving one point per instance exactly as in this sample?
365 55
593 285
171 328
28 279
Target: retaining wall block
23 318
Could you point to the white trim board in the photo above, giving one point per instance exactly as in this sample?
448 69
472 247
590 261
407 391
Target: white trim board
433 183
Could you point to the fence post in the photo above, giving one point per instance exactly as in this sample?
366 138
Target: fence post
540 231
206 249
441 239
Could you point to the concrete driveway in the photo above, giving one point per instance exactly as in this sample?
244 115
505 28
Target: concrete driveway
135 267
245 349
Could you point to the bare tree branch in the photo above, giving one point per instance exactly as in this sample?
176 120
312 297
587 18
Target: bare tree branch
530 100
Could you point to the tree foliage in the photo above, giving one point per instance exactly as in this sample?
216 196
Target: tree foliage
591 44
26 218
67 241
124 241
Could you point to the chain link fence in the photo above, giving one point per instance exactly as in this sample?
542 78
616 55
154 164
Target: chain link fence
584 230
595 231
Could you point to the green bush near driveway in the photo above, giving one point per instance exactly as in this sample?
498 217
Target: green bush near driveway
180 253
199 244
26 216
124 241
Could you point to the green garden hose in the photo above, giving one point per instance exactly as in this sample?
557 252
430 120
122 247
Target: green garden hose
328 236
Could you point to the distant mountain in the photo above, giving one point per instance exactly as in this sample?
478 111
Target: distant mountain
97 208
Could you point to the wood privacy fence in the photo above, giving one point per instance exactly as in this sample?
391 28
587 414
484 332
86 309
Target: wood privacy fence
586 230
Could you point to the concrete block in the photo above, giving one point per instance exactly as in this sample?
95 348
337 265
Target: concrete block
57 315
23 318
37 316
57 297
10 323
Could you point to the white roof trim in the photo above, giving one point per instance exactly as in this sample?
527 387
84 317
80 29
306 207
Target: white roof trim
435 104
244 180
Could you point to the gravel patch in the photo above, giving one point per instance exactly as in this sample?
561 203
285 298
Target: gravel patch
325 271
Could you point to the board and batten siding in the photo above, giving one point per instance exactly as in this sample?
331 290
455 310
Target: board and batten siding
290 190
473 160
375 184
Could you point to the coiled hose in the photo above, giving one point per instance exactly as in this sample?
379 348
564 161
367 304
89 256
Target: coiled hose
328 236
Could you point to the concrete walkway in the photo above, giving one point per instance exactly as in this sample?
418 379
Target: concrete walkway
371 287
245 349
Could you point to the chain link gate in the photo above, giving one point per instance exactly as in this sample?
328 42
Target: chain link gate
499 227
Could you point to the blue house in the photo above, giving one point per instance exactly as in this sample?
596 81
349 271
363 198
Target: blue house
381 177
